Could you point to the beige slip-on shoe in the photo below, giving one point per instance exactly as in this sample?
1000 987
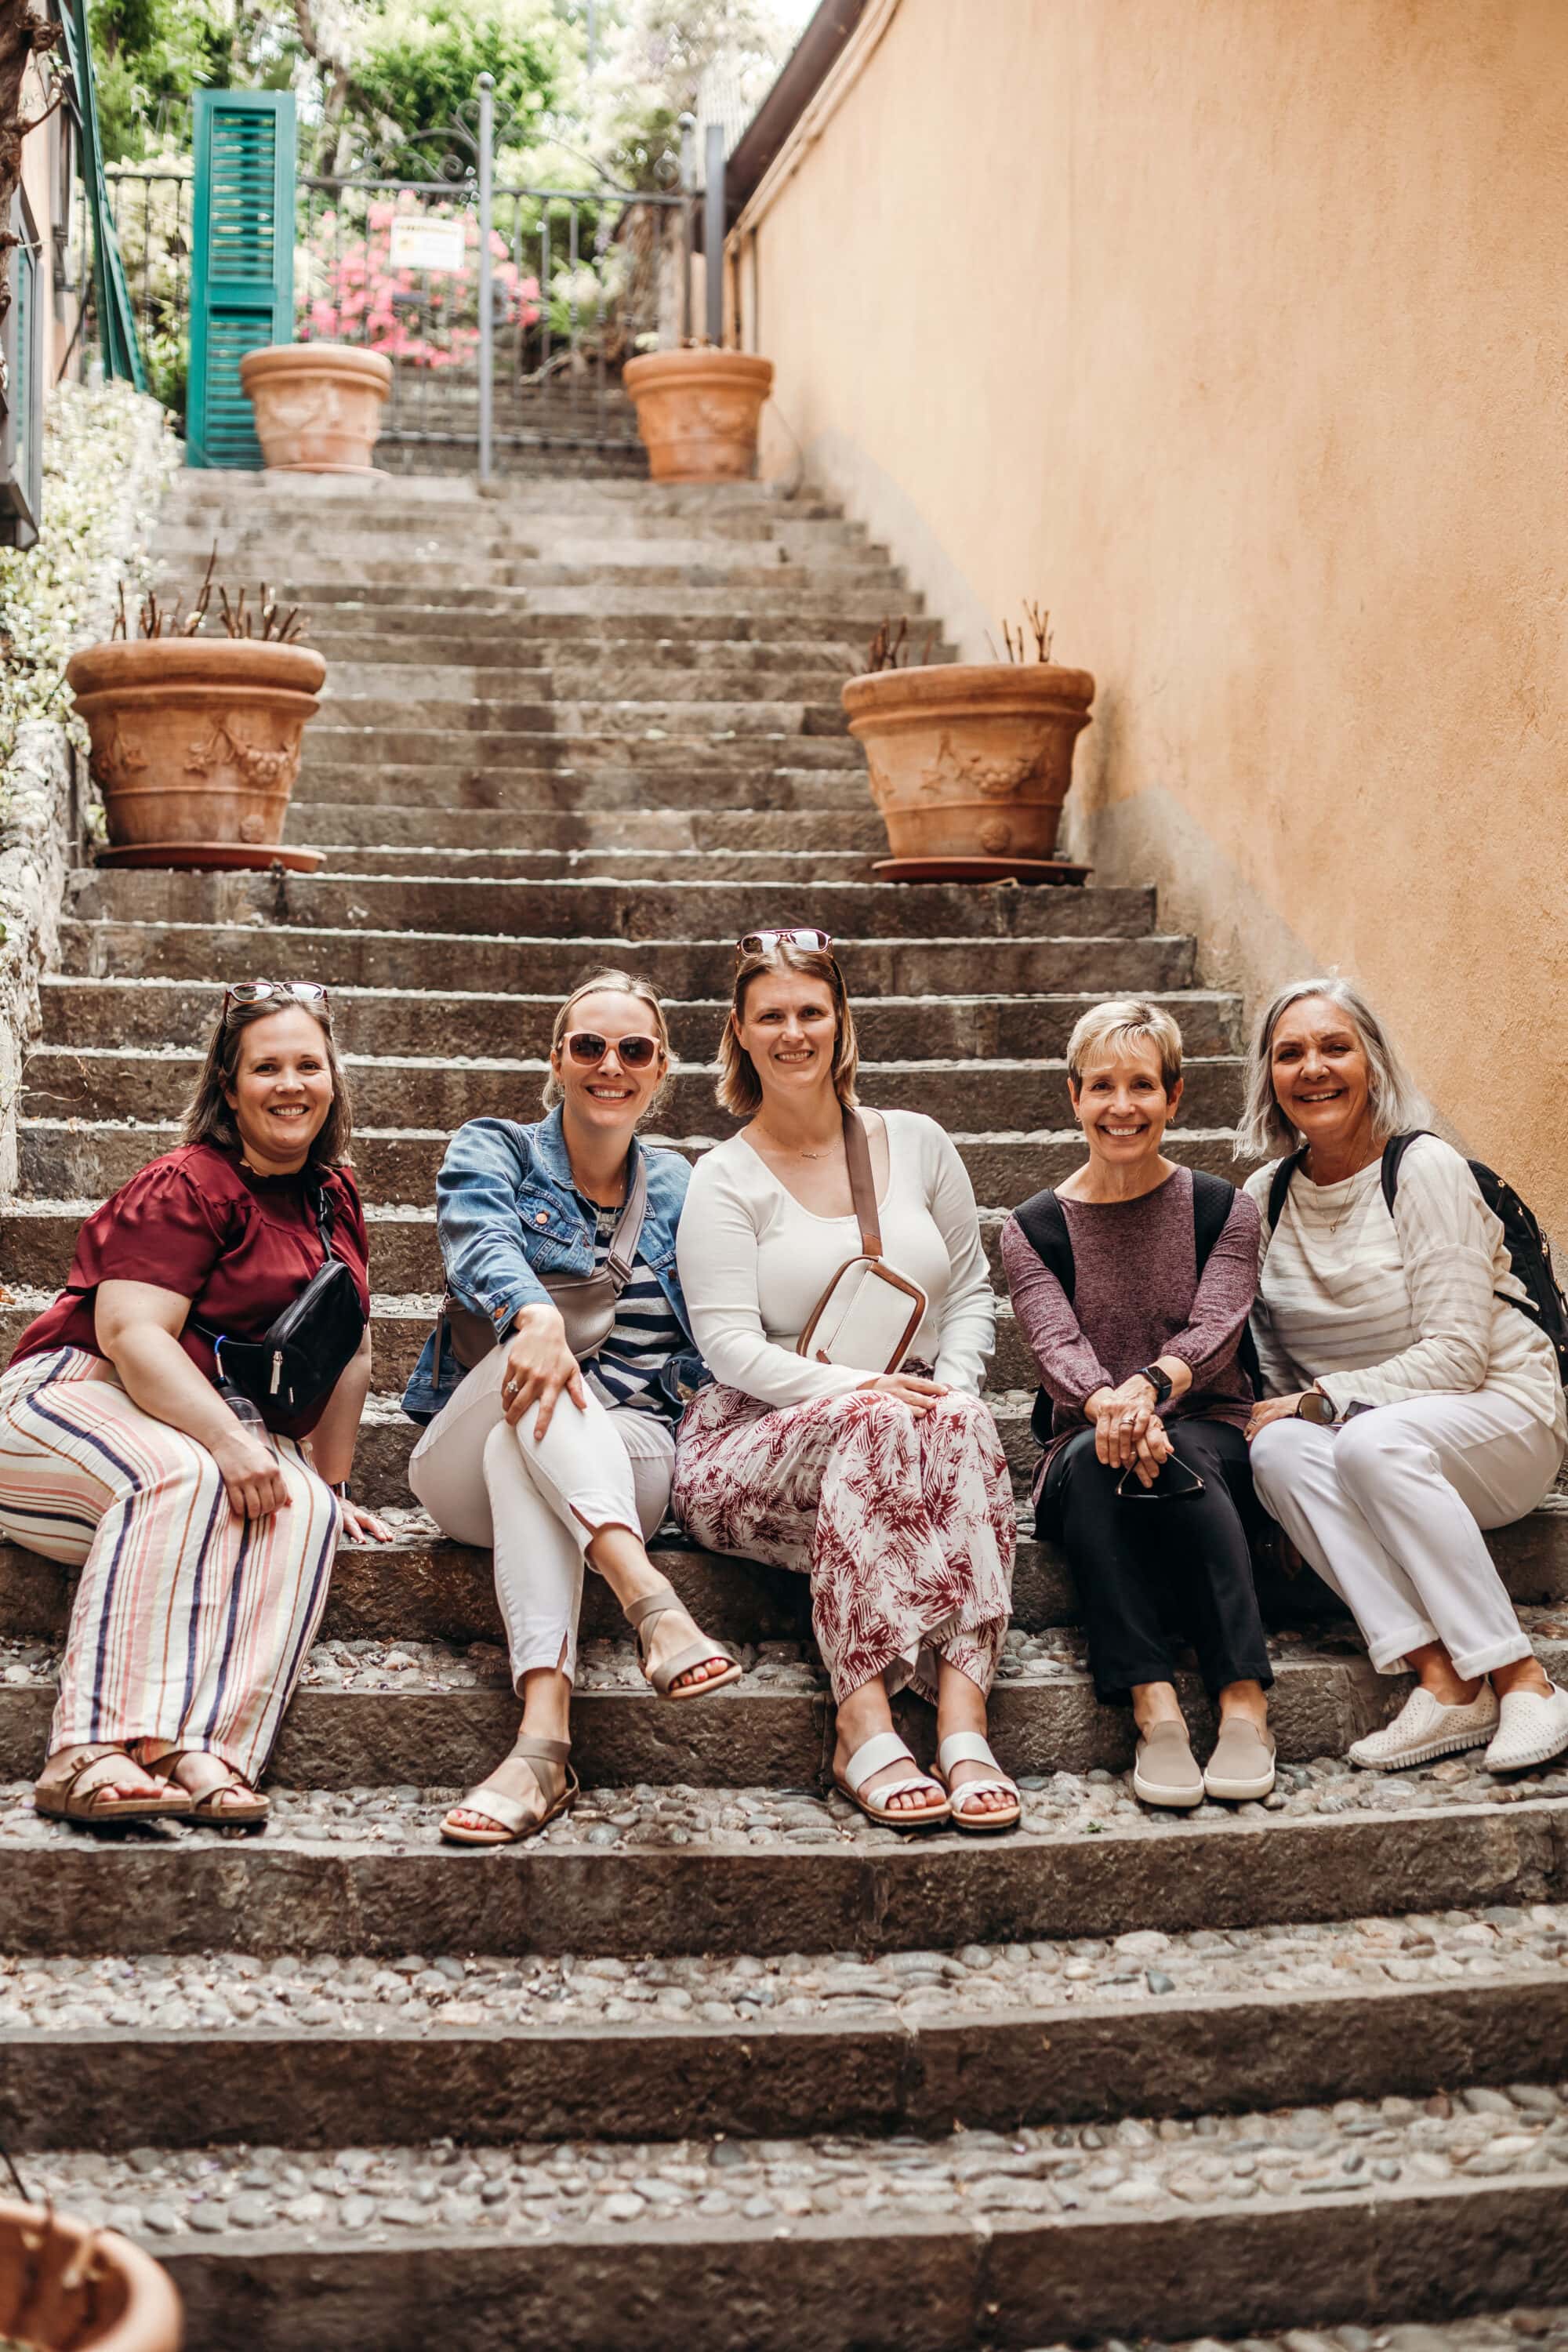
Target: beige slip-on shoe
1166 1771
1242 1766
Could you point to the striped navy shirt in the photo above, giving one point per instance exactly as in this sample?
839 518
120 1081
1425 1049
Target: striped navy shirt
645 1335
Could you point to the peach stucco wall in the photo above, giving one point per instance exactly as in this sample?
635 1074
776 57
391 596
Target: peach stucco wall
1238 332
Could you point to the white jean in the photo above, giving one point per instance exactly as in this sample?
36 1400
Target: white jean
1389 1509
539 1501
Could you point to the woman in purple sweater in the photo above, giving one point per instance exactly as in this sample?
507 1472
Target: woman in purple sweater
1131 1282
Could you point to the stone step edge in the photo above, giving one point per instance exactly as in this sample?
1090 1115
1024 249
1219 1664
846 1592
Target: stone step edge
774 2078
880 2285
86 1892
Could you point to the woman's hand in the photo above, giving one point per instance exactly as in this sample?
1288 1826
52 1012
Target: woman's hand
251 1474
539 1366
1151 1450
1269 1409
1122 1419
363 1527
909 1388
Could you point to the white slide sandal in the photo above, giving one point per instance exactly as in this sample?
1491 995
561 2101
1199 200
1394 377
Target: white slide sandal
974 1747
873 1756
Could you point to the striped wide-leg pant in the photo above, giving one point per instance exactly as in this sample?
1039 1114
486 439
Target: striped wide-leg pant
190 1625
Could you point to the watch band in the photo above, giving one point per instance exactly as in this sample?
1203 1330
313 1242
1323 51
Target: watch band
1159 1382
343 1489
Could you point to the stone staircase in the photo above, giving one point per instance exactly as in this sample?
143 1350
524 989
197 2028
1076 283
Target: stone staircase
713 2061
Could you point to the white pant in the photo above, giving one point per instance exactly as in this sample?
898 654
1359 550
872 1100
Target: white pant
539 1501
1389 1508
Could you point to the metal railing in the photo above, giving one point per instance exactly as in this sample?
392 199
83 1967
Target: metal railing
151 205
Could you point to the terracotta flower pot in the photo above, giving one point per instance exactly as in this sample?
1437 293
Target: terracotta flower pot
63 2283
318 405
195 747
971 761
698 411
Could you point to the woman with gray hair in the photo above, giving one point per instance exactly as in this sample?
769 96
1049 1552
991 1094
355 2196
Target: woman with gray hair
1412 1400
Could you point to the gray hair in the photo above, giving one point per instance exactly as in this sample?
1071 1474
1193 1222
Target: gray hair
1397 1103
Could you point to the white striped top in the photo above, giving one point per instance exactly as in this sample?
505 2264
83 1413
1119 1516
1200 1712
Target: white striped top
1377 1309
645 1335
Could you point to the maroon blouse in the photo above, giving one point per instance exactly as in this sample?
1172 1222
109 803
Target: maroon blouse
239 1246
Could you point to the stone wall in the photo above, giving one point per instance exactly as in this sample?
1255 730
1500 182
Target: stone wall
108 458
1234 334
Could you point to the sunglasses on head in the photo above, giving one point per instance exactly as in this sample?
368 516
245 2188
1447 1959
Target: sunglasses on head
634 1053
756 944
308 992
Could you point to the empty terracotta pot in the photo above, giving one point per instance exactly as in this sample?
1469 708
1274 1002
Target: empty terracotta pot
63 2283
698 411
318 405
195 747
971 760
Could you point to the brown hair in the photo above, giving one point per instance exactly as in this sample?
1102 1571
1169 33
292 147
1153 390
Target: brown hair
615 983
740 1090
208 1118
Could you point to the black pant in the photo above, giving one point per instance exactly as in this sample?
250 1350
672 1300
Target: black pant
1152 1573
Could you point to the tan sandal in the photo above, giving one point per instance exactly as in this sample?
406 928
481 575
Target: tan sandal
873 1756
77 1793
641 1616
513 1819
974 1747
209 1807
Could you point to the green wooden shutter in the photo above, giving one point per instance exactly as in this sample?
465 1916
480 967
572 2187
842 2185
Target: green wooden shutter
119 342
242 289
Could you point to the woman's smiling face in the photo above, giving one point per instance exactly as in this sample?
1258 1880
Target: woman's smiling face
607 1096
282 1090
1323 1080
1122 1104
788 1024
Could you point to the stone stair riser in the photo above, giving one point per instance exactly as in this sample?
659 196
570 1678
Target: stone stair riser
517 650
383 833
1083 2063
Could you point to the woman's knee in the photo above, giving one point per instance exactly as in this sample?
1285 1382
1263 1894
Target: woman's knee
1279 1456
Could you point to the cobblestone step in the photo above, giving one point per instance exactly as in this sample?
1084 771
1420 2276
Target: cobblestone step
179 2052
891 2246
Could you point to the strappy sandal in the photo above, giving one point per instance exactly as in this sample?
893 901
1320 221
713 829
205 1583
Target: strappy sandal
513 1819
641 1616
974 1747
873 1756
77 1793
209 1808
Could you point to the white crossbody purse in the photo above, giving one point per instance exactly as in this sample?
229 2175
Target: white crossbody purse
868 1314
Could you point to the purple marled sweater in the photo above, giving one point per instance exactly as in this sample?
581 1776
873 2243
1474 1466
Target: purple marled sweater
1136 1296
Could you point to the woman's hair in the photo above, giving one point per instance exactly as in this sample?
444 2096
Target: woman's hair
1396 1102
1125 1021
613 983
740 1089
209 1119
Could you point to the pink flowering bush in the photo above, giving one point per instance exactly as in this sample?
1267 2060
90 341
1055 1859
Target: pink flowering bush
354 288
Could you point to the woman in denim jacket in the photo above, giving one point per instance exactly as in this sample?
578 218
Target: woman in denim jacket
549 1460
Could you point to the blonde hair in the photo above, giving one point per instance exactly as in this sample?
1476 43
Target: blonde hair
609 983
740 1090
1125 1021
1393 1098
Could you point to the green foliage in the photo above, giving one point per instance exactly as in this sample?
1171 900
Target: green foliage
149 54
419 61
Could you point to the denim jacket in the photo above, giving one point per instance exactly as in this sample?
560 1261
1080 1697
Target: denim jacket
507 1212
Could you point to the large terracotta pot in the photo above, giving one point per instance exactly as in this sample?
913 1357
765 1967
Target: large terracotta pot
318 405
970 761
698 411
195 747
65 2285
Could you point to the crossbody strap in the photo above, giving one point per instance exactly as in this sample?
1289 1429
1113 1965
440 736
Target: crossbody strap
862 1185
628 1229
321 1203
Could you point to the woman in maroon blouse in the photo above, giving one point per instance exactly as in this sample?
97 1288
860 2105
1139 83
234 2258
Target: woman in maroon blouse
206 1543
1134 1308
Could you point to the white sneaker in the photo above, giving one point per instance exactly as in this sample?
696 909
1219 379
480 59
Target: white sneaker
1534 1728
1425 1729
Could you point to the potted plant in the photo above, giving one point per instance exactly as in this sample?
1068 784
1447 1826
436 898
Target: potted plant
697 410
195 740
64 2284
970 762
318 405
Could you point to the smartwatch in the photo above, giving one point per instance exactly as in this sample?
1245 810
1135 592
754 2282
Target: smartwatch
1158 1381
1316 1406
343 1490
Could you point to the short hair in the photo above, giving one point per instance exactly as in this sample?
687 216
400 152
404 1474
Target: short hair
1396 1101
1125 1021
740 1090
208 1118
612 983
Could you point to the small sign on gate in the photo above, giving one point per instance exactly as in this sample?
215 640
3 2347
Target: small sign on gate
426 243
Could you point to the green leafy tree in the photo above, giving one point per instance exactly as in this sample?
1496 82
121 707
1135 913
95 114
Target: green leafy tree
418 61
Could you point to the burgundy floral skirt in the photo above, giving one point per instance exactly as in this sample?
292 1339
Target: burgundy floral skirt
906 1526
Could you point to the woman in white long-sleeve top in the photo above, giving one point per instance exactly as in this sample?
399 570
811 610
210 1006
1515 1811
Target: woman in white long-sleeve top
1412 1400
889 1490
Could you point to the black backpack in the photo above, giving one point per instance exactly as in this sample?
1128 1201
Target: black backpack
1045 1228
1530 1252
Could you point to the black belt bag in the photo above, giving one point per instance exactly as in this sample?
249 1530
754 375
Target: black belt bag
301 1357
